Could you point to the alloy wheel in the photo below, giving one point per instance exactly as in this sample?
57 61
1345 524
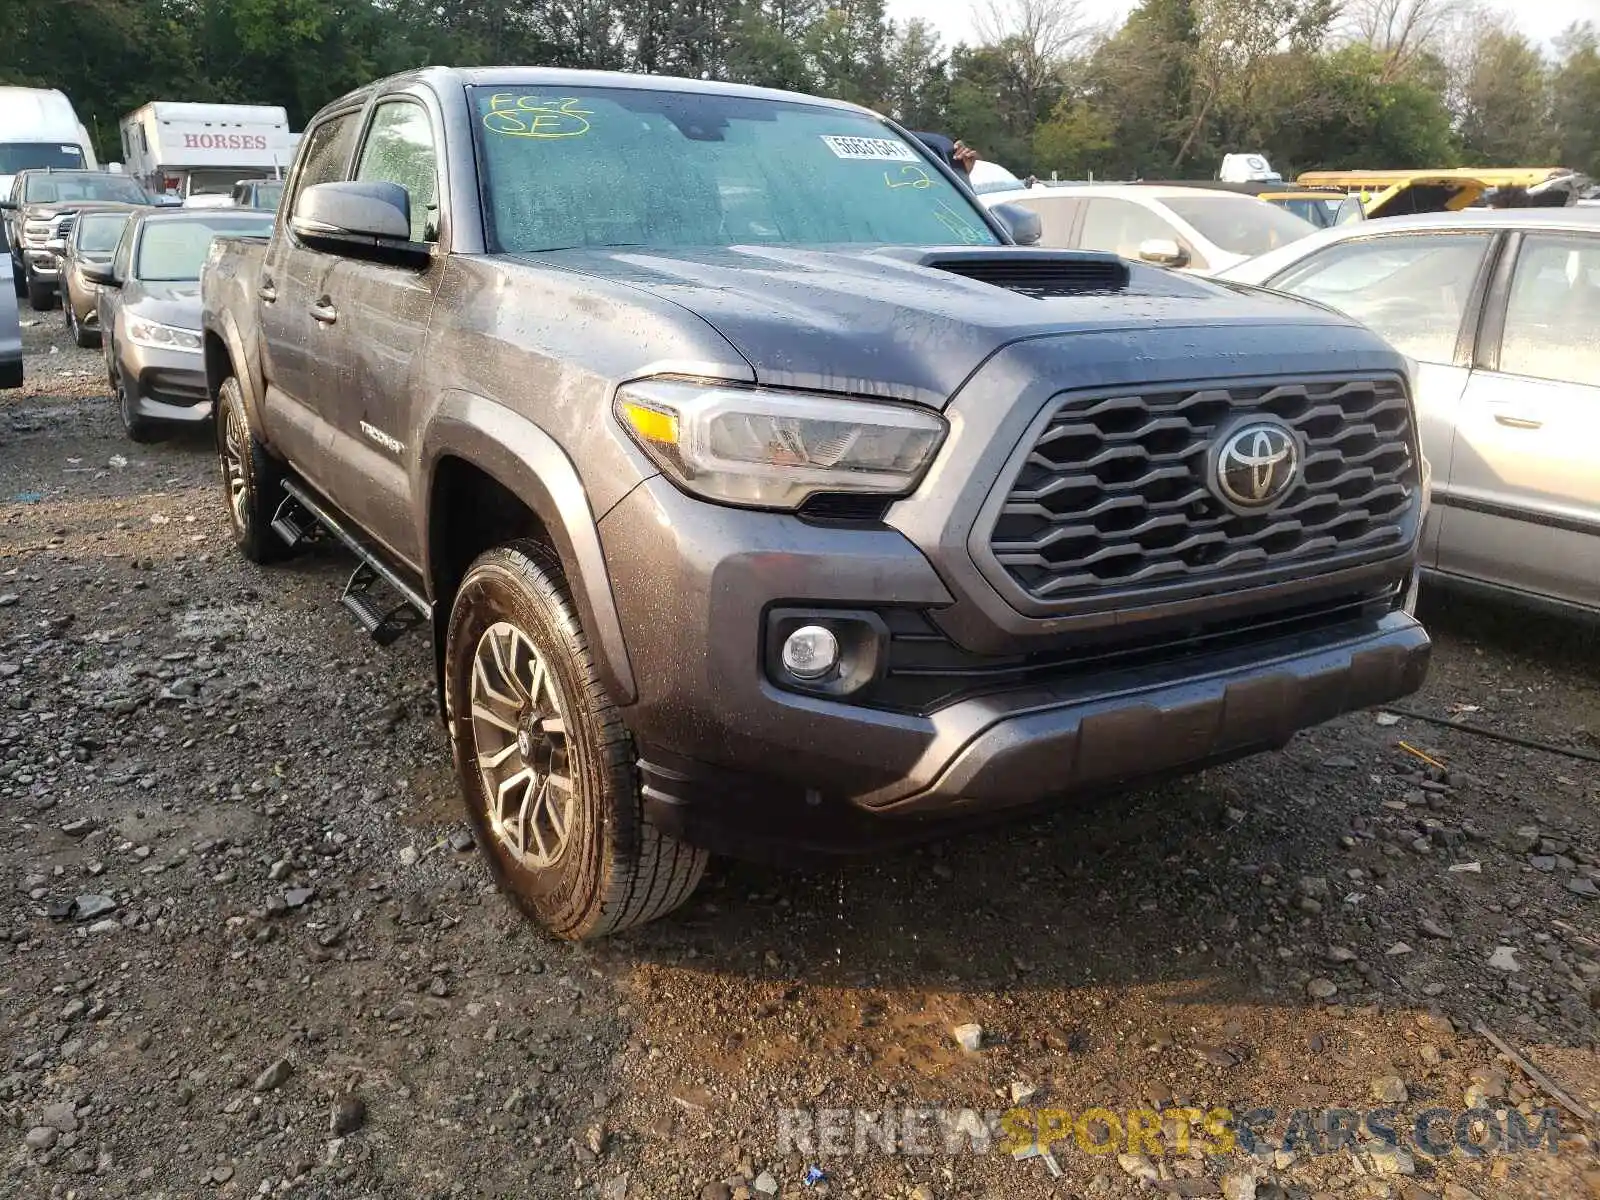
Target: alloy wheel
523 756
234 449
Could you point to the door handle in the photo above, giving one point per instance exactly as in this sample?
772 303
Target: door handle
1511 422
324 312
267 292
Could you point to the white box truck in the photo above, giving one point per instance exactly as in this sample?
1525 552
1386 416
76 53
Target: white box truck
191 150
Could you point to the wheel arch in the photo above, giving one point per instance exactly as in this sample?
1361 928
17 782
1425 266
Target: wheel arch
491 476
223 347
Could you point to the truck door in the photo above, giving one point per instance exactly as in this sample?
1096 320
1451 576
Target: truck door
294 343
381 322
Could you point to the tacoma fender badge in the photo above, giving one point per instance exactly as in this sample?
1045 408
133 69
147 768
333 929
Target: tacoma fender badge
391 444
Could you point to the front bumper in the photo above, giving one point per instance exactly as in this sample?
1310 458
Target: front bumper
43 262
164 385
733 762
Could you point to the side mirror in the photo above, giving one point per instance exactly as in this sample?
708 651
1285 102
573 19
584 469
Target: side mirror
8 205
1022 223
369 219
101 273
1163 252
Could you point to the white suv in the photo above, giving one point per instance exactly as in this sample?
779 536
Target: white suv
1199 230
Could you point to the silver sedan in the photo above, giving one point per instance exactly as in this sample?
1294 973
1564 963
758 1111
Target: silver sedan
1500 310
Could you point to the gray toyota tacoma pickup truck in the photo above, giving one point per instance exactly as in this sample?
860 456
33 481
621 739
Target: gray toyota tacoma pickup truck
763 496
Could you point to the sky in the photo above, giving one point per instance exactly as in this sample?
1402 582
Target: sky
1542 20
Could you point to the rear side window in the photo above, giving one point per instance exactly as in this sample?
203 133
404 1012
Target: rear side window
326 153
1553 316
1412 291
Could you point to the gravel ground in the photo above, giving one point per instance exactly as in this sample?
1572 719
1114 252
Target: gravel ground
246 946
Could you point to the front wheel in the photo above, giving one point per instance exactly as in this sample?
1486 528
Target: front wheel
86 339
251 479
544 761
135 424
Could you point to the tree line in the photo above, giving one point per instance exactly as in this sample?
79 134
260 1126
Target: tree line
1179 83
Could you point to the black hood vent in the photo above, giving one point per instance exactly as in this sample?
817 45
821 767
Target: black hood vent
1041 274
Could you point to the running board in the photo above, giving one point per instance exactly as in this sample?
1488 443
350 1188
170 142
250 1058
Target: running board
302 516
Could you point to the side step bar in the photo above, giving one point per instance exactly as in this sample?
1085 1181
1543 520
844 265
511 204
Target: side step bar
302 516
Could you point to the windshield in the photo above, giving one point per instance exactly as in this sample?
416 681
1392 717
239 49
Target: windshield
98 233
1320 211
174 249
27 156
82 185
599 167
267 195
1240 224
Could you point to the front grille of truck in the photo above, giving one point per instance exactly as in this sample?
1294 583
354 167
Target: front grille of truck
64 224
1112 499
925 671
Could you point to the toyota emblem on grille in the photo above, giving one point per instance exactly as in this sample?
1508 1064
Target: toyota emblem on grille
1256 464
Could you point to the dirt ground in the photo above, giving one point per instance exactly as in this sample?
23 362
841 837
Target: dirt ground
246 947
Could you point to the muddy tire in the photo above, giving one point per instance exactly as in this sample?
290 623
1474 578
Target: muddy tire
138 427
546 766
252 480
87 339
41 296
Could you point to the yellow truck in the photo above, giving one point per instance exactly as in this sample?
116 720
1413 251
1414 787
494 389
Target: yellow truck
1395 193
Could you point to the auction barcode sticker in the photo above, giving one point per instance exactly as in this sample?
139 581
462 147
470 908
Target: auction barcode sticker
878 149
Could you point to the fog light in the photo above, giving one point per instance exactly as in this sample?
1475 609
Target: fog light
810 652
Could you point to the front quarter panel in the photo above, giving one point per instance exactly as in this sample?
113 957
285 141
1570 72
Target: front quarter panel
520 367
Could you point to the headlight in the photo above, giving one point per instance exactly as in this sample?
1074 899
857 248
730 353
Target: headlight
36 229
161 337
771 449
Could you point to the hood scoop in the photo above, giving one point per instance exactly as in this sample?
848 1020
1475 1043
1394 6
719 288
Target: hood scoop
1042 274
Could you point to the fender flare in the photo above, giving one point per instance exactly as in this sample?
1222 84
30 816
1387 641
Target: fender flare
528 462
244 367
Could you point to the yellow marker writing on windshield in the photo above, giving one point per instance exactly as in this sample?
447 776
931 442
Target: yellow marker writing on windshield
511 115
910 177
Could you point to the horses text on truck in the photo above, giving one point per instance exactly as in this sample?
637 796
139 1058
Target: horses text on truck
205 149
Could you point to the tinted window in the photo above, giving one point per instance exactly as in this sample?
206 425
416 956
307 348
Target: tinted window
88 185
173 251
1120 225
619 167
1553 317
1413 291
1056 214
1240 224
399 150
23 156
98 234
326 151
